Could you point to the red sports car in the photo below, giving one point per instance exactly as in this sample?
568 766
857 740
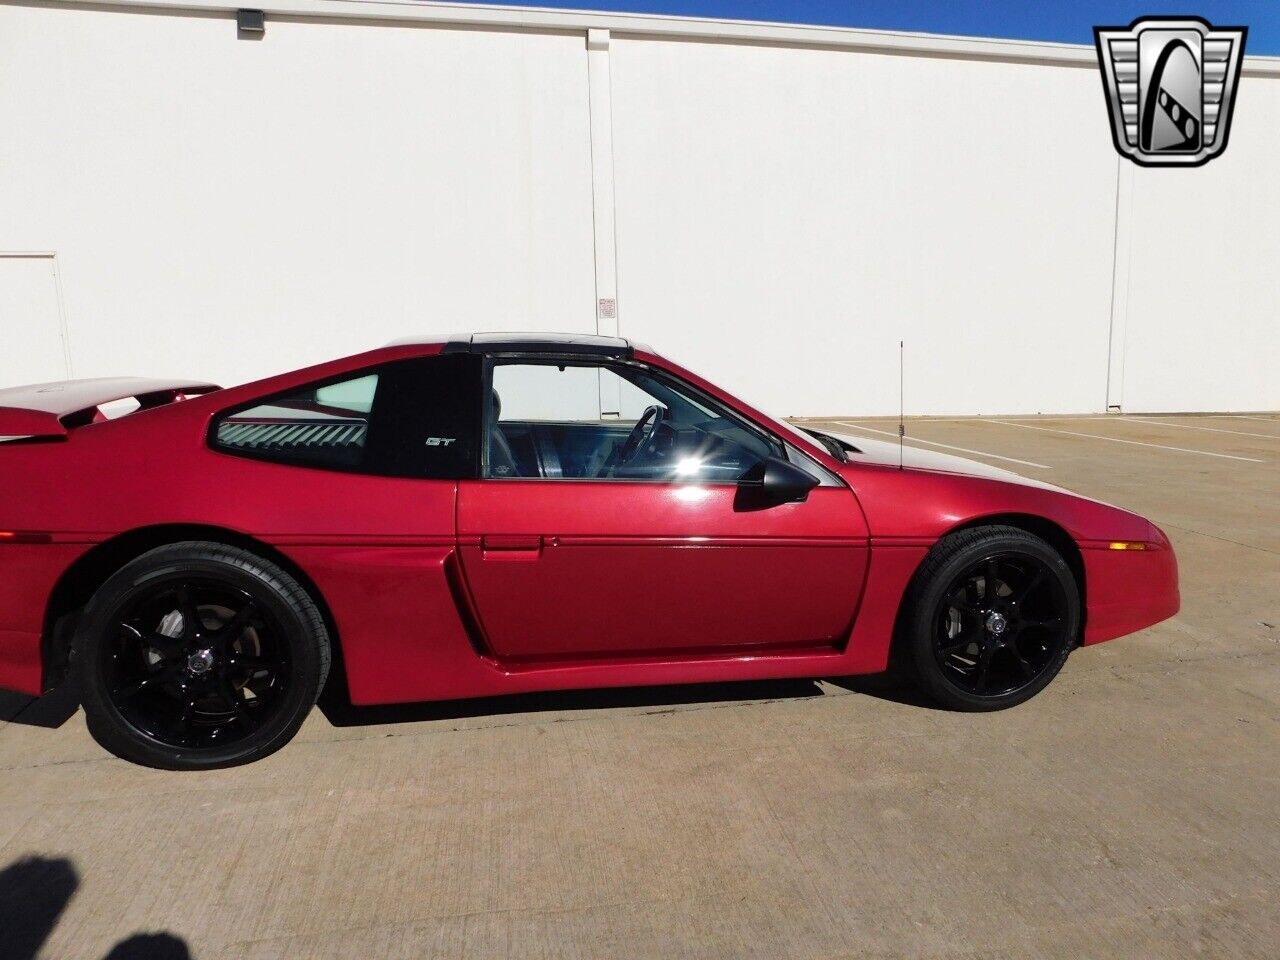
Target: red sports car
487 514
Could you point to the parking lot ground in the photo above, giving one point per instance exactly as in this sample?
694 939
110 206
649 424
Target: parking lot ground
1131 810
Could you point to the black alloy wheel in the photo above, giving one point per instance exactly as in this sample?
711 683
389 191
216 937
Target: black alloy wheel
995 611
199 655
1001 624
196 663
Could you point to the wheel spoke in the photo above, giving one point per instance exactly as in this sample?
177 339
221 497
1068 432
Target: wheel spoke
132 688
991 578
167 646
241 719
1025 592
1027 670
227 691
182 718
971 591
1051 621
135 687
249 666
983 669
231 631
187 607
959 643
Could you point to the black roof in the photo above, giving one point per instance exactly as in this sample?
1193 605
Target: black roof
564 343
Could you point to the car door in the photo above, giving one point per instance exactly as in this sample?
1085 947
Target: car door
573 546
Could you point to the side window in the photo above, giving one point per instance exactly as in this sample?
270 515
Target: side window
412 418
326 426
583 421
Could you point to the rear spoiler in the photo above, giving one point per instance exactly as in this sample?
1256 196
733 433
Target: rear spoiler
51 409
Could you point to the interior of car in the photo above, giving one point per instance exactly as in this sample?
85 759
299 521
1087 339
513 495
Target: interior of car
557 423
545 419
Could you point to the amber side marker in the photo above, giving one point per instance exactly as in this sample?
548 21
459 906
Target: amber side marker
19 536
1126 545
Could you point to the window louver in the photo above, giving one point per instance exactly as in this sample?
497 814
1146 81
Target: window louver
294 436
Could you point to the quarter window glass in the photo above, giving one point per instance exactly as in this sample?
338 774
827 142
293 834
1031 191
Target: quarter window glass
353 395
325 426
412 418
597 422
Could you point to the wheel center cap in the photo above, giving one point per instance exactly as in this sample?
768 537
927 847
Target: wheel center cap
996 623
200 661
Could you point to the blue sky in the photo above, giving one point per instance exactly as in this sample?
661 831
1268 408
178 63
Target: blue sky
1067 21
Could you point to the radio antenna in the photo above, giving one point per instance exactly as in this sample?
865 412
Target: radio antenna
902 426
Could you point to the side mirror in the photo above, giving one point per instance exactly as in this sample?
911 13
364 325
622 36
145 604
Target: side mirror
772 482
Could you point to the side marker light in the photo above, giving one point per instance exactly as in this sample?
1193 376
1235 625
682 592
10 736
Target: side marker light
20 536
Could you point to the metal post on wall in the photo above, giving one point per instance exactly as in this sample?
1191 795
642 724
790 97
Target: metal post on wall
1118 327
602 204
602 182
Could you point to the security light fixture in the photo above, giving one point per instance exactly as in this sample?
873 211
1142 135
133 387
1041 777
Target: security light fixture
251 24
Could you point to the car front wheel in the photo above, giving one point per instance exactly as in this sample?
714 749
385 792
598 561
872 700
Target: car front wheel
993 614
199 655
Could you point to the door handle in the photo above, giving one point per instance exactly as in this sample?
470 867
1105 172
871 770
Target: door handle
511 547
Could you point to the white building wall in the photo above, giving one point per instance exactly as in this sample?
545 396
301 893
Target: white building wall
785 205
228 209
814 207
1200 326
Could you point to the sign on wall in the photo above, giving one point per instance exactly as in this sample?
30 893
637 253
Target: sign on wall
1170 85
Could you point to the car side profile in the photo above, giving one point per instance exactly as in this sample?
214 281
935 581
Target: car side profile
487 514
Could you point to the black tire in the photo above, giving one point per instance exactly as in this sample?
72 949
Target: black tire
972 647
226 682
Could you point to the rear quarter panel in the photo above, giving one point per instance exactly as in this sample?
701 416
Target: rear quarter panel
28 573
155 468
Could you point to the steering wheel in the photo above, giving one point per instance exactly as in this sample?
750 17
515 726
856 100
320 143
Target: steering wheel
638 440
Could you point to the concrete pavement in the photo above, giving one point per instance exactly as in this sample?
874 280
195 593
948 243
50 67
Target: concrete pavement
1131 810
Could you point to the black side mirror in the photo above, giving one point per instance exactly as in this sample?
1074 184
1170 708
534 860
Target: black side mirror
771 482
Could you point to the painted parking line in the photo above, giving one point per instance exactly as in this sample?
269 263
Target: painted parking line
1191 426
1051 416
1237 419
1135 443
1031 419
945 446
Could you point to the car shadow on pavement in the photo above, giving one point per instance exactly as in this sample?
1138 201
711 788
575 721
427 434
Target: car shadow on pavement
339 711
58 706
49 711
885 686
34 892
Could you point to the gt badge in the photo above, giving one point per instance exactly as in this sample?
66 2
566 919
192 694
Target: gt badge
440 441
1170 84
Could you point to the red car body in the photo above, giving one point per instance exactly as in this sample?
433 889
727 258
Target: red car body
462 588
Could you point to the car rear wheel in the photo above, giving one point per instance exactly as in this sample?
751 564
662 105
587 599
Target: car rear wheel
199 655
993 615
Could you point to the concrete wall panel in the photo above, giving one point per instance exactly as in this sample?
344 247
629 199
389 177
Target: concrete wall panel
787 215
783 213
229 208
1200 324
